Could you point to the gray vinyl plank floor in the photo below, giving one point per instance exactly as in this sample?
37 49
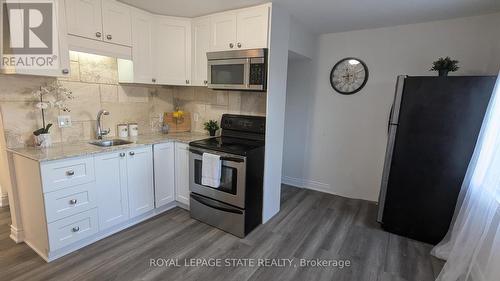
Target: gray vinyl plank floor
311 225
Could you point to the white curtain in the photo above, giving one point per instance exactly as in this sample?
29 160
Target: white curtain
471 247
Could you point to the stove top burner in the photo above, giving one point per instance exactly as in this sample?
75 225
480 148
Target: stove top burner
228 145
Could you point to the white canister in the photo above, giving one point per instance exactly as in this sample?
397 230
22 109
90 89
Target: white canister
122 130
133 129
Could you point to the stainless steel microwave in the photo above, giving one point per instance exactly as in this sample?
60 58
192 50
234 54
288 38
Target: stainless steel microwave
238 70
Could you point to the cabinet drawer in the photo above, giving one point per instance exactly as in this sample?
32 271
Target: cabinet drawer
72 229
69 201
65 173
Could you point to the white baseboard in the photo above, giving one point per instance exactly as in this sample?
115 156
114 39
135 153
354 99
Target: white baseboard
4 200
309 184
16 234
292 181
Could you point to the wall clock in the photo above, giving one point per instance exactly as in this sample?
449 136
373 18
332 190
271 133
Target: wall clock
349 76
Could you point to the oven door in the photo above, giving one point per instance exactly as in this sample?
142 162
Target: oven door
229 74
233 176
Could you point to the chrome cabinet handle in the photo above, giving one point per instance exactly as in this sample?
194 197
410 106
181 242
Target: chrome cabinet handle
70 173
122 154
65 71
98 34
239 45
187 81
205 82
153 80
73 201
231 45
109 37
76 229
131 153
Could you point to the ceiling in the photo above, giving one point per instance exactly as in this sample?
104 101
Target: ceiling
327 16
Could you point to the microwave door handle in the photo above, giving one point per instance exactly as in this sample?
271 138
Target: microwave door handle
246 73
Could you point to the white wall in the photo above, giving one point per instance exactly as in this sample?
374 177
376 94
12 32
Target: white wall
4 169
298 102
302 40
346 135
275 110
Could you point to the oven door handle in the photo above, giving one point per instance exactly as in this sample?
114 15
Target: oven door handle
215 204
223 158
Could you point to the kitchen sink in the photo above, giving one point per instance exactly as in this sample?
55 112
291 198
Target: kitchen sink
106 143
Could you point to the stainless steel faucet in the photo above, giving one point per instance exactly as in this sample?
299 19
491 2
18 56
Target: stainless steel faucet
99 131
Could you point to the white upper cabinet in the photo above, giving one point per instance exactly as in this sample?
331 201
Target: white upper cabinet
142 56
200 46
102 20
140 180
164 162
84 18
240 29
59 67
252 28
116 23
223 31
172 50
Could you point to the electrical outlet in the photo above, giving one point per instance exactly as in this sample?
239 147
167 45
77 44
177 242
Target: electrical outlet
64 121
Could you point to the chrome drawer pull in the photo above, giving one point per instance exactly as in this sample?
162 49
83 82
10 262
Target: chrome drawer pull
76 229
131 153
70 173
122 154
72 201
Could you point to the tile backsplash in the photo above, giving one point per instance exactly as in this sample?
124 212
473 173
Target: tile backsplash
94 83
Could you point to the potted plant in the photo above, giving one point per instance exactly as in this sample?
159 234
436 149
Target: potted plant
211 126
55 96
445 65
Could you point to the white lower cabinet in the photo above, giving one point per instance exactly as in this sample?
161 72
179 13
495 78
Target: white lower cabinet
124 185
112 192
70 203
182 173
140 180
164 169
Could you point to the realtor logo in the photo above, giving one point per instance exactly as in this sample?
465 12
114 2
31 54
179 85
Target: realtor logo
28 34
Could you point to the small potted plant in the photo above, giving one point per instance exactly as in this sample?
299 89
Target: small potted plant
55 96
211 126
445 65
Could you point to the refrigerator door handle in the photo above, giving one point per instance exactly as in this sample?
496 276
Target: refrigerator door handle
389 119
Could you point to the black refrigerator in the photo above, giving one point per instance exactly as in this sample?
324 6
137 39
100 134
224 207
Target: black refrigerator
433 128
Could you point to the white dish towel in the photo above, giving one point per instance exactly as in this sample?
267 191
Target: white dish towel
211 170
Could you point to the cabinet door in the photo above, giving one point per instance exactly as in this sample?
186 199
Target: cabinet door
140 180
60 67
182 173
252 28
141 47
111 188
116 23
172 51
201 45
164 170
223 32
84 18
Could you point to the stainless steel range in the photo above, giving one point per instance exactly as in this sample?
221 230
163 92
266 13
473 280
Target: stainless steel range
236 205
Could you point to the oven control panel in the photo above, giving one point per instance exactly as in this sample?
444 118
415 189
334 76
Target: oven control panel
251 124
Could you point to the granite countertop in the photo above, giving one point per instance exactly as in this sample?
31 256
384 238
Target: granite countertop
75 149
